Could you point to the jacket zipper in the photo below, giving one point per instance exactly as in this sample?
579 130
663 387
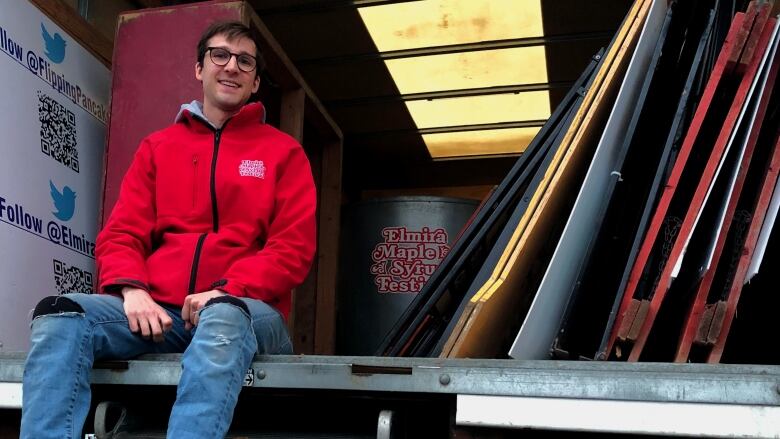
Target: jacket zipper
194 181
214 212
195 261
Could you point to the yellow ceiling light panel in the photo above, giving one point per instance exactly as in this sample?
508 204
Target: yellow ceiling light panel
479 143
436 23
486 68
431 23
480 109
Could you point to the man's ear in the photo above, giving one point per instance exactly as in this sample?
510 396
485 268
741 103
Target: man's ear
256 84
198 71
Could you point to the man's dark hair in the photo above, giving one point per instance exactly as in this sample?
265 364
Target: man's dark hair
231 30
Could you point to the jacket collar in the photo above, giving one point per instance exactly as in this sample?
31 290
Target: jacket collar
252 112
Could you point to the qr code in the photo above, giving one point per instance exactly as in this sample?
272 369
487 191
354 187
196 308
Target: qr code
70 279
58 131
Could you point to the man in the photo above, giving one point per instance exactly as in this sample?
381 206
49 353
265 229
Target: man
213 227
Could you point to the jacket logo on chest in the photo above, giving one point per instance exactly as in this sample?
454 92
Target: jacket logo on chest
252 168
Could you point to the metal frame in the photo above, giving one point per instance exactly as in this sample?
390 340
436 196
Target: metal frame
654 382
456 128
446 94
319 6
510 43
617 396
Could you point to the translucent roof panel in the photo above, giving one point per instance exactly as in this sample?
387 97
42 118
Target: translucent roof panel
455 71
430 23
435 23
479 143
480 109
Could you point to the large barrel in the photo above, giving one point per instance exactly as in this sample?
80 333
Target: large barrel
389 249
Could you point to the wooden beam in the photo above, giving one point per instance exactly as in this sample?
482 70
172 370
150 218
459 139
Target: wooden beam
304 307
303 298
287 76
328 254
78 28
292 110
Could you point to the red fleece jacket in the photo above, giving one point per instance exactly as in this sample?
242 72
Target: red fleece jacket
231 209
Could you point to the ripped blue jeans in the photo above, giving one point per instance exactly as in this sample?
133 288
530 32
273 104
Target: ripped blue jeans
217 354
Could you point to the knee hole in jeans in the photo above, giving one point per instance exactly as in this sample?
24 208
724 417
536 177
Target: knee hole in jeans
56 305
229 300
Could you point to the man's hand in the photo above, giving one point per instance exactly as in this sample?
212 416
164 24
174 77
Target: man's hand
144 314
190 311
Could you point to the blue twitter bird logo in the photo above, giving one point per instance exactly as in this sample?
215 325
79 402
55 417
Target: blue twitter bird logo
64 202
55 45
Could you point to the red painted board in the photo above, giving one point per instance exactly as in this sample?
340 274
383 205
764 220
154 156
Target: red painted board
701 190
153 74
742 36
762 15
668 191
695 312
747 254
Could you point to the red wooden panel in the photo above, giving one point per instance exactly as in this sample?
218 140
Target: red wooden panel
747 254
701 189
742 35
695 312
762 15
671 185
153 74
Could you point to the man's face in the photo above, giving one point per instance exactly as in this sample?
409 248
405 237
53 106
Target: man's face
227 88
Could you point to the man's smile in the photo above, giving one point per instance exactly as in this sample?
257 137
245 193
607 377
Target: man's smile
228 83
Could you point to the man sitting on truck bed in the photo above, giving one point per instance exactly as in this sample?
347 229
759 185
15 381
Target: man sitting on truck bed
214 226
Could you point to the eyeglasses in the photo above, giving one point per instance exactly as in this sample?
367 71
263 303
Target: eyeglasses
221 57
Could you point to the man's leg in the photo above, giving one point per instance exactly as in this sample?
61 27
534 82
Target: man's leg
270 329
69 333
229 332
